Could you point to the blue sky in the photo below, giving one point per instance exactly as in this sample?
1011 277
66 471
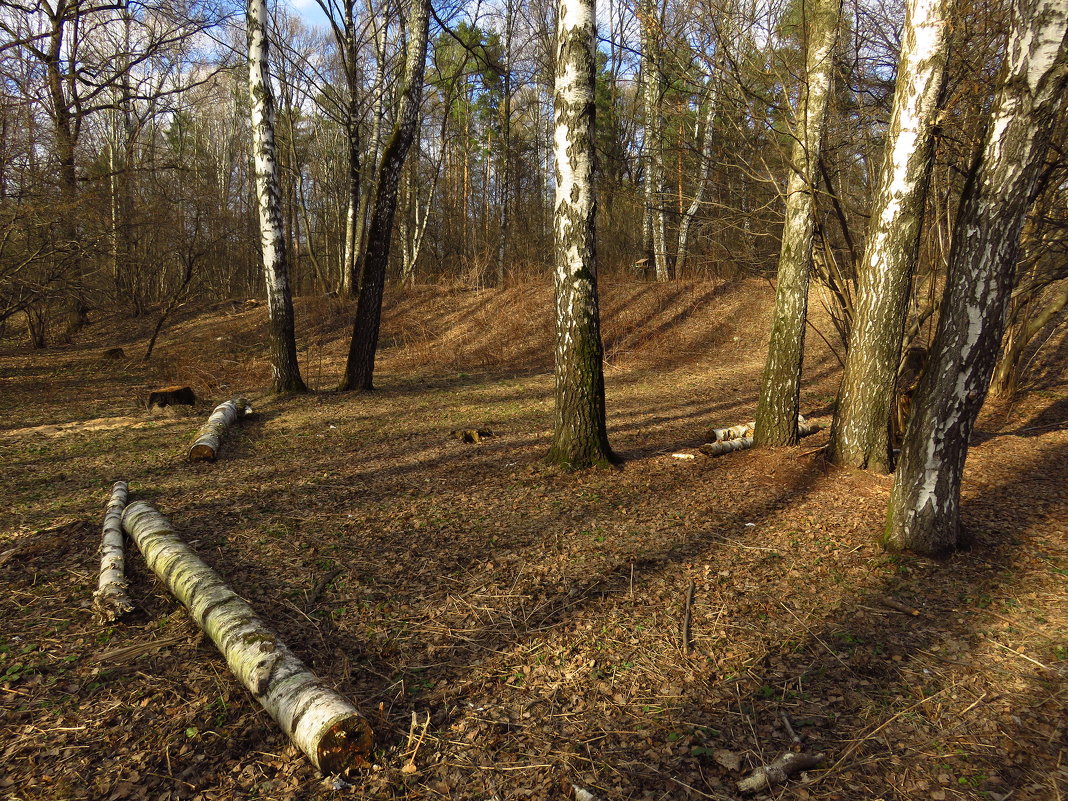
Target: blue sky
308 10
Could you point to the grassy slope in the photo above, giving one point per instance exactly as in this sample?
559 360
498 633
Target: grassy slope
534 616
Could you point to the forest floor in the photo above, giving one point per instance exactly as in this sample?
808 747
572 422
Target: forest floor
528 618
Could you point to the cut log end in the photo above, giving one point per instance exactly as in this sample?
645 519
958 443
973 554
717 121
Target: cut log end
109 605
345 745
202 453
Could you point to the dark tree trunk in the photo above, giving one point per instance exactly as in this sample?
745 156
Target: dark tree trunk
359 370
924 511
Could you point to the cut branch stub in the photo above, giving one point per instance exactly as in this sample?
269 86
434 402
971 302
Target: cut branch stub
110 600
319 721
206 445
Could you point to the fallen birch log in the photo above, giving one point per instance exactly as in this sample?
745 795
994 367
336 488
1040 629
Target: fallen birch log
319 721
206 445
745 443
110 600
732 432
778 771
740 430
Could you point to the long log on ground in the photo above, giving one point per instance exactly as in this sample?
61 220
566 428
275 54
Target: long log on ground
206 445
745 443
323 724
778 771
110 600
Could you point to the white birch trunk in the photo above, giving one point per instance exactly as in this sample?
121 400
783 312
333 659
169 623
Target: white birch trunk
682 252
284 365
580 437
110 600
781 384
205 446
732 432
861 434
652 145
741 430
924 512
323 724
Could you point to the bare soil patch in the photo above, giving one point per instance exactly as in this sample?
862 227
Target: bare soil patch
529 618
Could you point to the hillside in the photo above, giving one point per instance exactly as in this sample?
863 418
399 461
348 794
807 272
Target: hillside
534 616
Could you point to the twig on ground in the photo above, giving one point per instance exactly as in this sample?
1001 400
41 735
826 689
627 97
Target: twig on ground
790 728
778 771
322 584
687 616
894 603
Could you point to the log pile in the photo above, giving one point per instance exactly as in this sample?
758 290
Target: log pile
327 727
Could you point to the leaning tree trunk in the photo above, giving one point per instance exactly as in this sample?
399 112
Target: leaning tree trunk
682 252
359 369
580 437
284 366
1007 374
653 143
860 436
323 724
924 511
110 599
780 392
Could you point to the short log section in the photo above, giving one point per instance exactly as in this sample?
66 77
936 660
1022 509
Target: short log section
745 442
205 447
110 601
319 721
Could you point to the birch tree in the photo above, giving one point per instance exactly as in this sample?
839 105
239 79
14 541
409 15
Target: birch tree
924 511
359 369
580 438
652 145
777 409
861 433
284 367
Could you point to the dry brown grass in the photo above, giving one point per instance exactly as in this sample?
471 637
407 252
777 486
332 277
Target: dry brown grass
532 615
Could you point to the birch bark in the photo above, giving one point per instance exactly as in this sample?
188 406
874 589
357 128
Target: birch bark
284 367
861 433
653 143
682 251
205 446
323 724
924 513
110 599
776 415
580 437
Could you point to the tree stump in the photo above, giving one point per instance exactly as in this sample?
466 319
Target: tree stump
172 396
